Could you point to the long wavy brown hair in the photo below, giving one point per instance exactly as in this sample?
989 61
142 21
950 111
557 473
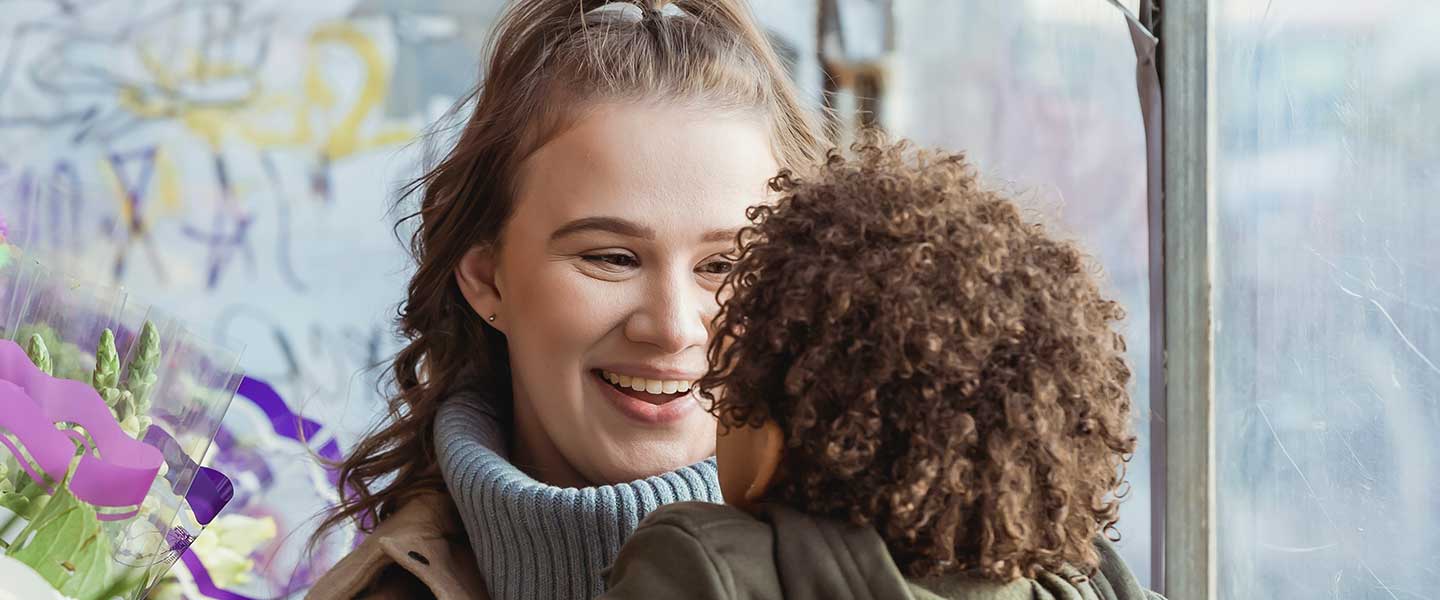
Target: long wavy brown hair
548 61
942 370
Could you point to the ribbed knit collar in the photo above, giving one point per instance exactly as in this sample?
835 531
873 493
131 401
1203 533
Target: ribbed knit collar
538 541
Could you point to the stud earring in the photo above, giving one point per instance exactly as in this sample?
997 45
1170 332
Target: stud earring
492 318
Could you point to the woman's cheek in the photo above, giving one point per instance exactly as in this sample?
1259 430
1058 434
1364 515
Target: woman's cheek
577 309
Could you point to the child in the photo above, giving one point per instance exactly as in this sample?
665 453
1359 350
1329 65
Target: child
920 395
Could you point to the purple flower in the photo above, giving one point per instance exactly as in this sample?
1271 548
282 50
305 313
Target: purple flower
4 229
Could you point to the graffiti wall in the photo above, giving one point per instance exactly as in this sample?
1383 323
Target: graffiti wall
235 162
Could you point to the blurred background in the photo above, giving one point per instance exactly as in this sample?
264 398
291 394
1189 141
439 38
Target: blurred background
236 161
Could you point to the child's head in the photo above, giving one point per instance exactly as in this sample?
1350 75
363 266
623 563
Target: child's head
940 369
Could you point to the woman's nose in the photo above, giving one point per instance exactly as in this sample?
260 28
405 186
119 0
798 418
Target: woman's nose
673 314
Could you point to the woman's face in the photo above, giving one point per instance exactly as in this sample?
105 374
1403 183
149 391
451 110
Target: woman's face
604 285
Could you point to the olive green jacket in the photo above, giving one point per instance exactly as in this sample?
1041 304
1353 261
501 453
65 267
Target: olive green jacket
717 552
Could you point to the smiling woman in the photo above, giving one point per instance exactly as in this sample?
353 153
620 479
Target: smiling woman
613 269
569 253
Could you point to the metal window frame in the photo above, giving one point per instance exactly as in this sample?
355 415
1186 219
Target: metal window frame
1182 231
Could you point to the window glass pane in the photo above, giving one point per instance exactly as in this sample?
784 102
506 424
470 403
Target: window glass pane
1328 314
1042 95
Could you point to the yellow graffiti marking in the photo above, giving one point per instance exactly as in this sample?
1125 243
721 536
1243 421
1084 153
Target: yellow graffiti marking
207 121
167 185
317 99
344 139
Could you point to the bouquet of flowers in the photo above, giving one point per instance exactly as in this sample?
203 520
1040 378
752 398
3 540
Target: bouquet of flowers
106 410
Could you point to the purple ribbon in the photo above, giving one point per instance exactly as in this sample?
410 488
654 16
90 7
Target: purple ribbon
286 424
209 490
203 583
209 494
114 474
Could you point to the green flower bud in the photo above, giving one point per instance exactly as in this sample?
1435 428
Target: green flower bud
141 373
106 378
39 354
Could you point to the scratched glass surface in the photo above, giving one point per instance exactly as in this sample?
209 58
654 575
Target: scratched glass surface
1042 95
1328 291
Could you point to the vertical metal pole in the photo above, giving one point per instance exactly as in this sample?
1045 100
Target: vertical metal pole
1147 83
1187 77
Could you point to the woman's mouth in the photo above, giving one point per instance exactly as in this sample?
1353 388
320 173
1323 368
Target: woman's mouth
650 401
654 391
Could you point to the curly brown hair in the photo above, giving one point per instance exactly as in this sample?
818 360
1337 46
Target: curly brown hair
942 370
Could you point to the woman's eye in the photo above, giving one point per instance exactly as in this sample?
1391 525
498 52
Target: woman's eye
717 267
623 261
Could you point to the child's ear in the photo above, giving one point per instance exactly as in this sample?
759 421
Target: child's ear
772 447
475 275
748 459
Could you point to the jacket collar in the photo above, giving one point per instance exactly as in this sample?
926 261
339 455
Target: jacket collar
422 545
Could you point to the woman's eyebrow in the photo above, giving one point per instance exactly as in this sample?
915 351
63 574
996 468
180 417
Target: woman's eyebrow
608 224
626 228
720 235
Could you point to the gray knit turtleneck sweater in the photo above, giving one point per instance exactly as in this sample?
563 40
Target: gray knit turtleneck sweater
537 541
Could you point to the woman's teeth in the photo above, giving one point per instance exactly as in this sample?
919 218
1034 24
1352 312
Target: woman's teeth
649 386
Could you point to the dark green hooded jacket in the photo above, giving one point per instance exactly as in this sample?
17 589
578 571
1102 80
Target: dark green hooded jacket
716 552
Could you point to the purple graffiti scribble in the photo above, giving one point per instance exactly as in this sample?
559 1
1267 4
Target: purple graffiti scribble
223 240
48 207
135 191
286 260
64 178
23 202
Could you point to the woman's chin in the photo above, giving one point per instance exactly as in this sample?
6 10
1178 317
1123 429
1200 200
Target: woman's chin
617 448
638 460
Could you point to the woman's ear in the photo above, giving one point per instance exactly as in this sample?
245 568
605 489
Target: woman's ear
478 283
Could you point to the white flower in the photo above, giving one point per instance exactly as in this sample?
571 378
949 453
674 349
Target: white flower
226 545
167 589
